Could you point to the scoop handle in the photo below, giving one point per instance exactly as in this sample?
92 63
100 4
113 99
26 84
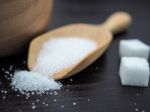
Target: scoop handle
117 22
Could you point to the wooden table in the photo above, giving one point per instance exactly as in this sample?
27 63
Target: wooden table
98 88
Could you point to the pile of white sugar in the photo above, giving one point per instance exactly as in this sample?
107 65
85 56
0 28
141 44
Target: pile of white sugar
31 81
56 54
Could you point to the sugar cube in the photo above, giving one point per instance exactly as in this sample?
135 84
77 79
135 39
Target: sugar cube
133 48
134 71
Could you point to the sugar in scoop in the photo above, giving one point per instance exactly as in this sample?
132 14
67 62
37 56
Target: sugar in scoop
56 54
60 53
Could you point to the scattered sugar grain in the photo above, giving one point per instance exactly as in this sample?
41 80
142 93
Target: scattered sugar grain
33 107
55 92
4 97
5 76
10 74
54 100
43 103
26 97
62 106
89 99
136 109
137 94
67 85
135 103
67 90
71 80
74 103
37 100
5 92
11 67
46 105
24 62
7 72
2 91
32 93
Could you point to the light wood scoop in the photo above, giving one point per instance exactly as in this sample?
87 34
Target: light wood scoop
101 34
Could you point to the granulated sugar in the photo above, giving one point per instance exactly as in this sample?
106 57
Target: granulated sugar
61 53
56 54
31 81
74 103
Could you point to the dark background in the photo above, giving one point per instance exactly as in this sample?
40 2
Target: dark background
98 88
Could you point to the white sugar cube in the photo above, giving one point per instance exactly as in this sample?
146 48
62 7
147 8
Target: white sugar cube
134 71
133 48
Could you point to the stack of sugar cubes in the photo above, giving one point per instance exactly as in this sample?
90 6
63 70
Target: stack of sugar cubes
134 67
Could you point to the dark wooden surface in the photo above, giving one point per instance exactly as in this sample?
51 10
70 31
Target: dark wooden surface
99 83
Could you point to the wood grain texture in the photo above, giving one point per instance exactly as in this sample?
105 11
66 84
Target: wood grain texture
99 82
20 21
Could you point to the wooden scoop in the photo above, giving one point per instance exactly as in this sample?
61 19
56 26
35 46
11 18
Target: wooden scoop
101 34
